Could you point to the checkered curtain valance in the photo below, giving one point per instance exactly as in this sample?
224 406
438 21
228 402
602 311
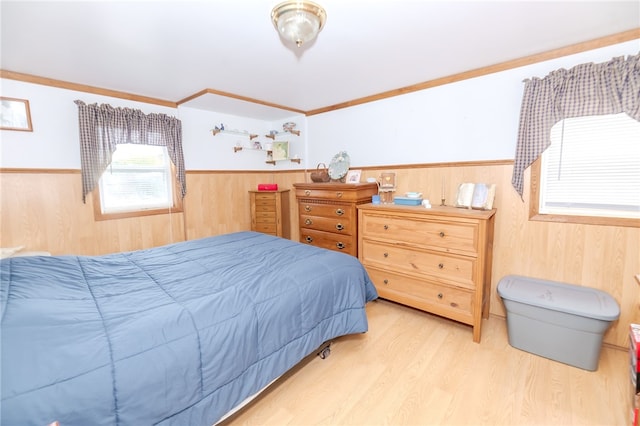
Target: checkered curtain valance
102 127
611 87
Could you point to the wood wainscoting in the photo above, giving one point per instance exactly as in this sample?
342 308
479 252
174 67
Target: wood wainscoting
43 210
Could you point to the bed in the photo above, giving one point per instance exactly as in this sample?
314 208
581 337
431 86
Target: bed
174 335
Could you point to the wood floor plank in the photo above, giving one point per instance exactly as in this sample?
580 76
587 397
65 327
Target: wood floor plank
414 368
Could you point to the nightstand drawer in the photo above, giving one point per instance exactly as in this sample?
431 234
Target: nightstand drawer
266 205
266 228
440 267
265 196
265 216
451 302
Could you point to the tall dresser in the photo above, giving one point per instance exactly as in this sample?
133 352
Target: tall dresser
327 213
270 212
437 260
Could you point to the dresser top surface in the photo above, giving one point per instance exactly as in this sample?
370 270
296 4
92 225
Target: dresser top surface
336 186
434 210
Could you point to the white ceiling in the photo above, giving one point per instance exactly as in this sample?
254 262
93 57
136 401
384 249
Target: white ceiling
171 50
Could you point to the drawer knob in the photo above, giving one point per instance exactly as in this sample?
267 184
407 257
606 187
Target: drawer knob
309 239
307 208
339 212
338 194
308 221
339 227
440 295
386 281
386 227
340 245
386 254
440 265
307 192
441 234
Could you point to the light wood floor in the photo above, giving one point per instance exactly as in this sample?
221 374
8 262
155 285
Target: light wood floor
412 368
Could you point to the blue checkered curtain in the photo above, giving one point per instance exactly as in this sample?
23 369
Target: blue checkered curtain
102 127
588 89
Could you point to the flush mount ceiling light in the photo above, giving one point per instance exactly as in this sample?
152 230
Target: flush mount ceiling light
298 21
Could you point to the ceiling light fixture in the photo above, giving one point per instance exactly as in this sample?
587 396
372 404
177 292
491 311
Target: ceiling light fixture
298 21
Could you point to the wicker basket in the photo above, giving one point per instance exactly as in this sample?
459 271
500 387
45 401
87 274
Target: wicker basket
320 174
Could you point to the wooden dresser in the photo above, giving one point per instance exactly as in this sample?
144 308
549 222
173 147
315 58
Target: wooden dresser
437 260
270 212
327 213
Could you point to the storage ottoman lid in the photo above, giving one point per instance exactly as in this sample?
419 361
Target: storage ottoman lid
569 298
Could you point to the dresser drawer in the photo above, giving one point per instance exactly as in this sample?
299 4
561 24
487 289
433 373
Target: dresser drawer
337 242
339 225
451 302
437 266
438 235
327 210
337 194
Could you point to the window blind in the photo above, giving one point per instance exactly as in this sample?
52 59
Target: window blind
138 178
592 167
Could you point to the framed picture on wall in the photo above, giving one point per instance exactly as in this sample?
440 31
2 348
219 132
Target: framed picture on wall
15 114
280 150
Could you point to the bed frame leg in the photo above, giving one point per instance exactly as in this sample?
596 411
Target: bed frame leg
325 350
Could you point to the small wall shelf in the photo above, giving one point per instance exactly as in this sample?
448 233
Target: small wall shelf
269 152
273 135
251 136
293 160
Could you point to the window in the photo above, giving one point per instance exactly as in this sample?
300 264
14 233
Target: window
139 181
591 172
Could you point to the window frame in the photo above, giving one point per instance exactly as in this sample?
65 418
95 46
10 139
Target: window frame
177 204
534 207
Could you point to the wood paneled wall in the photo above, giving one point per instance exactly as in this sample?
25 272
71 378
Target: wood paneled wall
44 211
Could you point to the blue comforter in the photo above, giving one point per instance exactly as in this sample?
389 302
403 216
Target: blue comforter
174 335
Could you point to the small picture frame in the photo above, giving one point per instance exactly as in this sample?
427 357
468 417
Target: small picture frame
353 176
15 114
280 150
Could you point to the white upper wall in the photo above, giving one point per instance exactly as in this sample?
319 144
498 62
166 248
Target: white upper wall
475 119
54 142
203 151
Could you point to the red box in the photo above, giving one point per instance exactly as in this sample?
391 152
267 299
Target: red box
634 355
634 365
635 408
634 340
267 187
